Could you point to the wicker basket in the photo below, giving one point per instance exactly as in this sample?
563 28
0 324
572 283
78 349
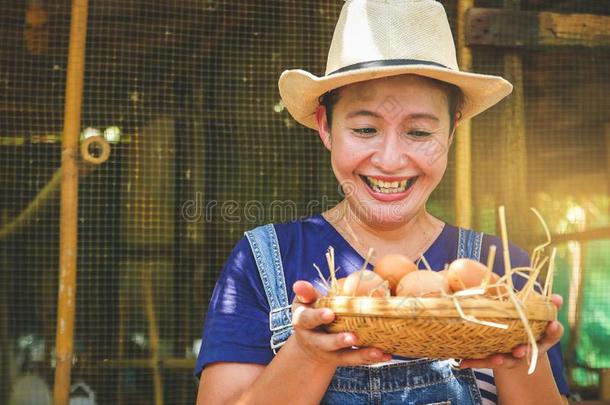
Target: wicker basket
435 328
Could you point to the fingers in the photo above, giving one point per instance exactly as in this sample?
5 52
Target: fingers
310 318
552 335
305 293
493 361
366 355
520 351
557 300
341 345
337 348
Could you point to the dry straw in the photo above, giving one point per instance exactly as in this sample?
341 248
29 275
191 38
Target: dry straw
466 324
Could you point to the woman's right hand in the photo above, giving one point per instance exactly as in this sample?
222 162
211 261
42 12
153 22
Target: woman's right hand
322 347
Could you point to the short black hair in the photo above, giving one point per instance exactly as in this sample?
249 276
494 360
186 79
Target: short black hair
455 98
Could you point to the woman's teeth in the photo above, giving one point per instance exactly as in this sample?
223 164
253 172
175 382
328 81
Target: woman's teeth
389 187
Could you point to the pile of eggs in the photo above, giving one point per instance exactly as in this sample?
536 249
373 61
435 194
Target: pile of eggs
396 275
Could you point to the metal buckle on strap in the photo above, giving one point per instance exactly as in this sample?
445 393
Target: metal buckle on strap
278 340
277 310
276 346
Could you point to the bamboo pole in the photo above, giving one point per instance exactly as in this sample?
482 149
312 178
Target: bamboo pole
49 190
153 333
576 303
64 341
607 137
463 136
514 192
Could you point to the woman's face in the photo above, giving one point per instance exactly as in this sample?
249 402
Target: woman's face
389 140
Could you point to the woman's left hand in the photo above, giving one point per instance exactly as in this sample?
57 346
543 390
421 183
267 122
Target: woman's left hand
552 334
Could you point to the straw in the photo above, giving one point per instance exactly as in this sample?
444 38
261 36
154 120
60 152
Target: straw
505 246
423 259
491 256
548 285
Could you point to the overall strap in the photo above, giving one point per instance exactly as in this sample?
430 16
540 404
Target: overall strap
469 244
266 250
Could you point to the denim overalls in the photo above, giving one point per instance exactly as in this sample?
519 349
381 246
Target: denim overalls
417 381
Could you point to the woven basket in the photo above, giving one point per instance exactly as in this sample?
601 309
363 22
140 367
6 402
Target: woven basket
433 327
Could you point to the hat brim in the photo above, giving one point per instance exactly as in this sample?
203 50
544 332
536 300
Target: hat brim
301 90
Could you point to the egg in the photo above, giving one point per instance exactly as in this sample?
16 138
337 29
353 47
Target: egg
365 283
422 283
340 282
465 273
536 296
499 291
393 267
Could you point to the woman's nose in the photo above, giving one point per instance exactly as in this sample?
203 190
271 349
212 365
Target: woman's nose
390 155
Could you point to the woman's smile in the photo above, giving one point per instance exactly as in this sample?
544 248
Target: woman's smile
385 189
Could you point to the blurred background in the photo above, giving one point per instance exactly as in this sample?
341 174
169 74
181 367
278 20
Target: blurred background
187 145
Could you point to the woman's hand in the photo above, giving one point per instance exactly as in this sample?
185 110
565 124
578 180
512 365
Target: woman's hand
518 356
322 347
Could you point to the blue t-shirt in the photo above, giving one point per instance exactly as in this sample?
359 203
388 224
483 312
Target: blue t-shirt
237 323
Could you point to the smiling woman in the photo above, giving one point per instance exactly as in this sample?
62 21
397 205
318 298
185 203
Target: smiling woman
386 110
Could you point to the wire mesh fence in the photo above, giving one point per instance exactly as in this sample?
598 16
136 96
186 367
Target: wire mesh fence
184 96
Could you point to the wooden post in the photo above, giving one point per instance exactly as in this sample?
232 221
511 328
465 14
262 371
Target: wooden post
577 281
514 159
64 341
604 384
463 143
153 332
607 134
5 296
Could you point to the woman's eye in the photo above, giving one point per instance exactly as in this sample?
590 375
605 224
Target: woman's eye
419 134
365 131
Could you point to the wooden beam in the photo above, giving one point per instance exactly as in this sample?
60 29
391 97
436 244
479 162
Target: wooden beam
529 29
584 236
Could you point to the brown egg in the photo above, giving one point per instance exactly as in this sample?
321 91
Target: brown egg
465 273
423 283
340 282
393 267
365 283
499 291
535 296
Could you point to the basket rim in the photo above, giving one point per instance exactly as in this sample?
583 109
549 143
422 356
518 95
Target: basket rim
443 307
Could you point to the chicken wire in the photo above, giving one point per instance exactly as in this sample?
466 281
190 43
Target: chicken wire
206 151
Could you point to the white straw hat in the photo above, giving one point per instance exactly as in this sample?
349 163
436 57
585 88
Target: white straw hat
379 38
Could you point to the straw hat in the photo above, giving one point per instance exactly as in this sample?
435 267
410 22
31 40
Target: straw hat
380 38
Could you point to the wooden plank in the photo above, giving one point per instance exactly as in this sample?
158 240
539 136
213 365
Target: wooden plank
514 28
587 235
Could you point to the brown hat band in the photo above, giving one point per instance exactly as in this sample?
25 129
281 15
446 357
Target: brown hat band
385 62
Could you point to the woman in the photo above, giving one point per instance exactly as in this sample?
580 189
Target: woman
386 110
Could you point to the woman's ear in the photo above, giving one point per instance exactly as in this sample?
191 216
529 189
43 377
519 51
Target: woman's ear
323 129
